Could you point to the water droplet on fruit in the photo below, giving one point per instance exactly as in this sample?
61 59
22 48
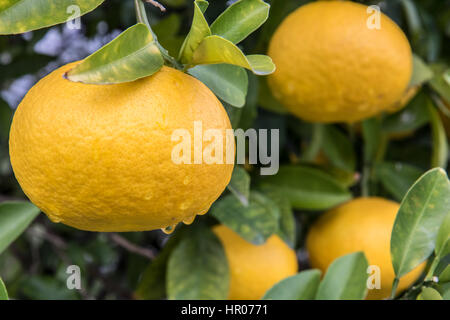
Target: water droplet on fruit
169 229
149 196
189 220
203 211
186 180
184 205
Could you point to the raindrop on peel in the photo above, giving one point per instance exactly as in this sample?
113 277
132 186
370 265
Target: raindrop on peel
169 229
204 211
148 196
189 220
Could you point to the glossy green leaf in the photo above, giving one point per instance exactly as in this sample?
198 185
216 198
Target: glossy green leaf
215 50
441 259
3 292
302 286
240 19
421 72
240 184
410 118
228 82
255 222
439 156
308 188
346 279
15 217
130 56
198 267
417 223
397 177
199 30
286 229
429 294
443 234
18 16
338 149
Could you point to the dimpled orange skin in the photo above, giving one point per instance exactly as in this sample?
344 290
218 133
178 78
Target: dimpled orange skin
254 269
363 224
98 157
332 68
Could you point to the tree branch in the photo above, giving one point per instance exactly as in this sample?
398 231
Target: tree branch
124 243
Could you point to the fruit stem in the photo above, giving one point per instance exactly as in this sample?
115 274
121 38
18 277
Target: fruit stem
141 17
394 288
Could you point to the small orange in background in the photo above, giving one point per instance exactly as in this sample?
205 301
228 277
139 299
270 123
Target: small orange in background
363 224
254 269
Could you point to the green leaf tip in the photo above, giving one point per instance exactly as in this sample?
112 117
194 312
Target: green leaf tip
131 56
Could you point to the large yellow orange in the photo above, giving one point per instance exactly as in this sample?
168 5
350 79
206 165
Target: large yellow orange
363 224
255 268
331 67
98 157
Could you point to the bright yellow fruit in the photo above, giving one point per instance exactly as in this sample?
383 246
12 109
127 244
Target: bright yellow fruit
98 157
331 67
255 268
363 224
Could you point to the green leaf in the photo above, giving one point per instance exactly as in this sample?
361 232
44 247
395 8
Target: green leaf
410 118
308 188
439 82
199 30
240 19
15 217
47 288
421 72
3 292
302 286
429 294
444 289
417 223
215 50
443 234
240 184
397 177
198 267
286 229
440 145
167 33
153 281
18 16
442 251
130 56
255 222
228 82
372 134
338 149
345 279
